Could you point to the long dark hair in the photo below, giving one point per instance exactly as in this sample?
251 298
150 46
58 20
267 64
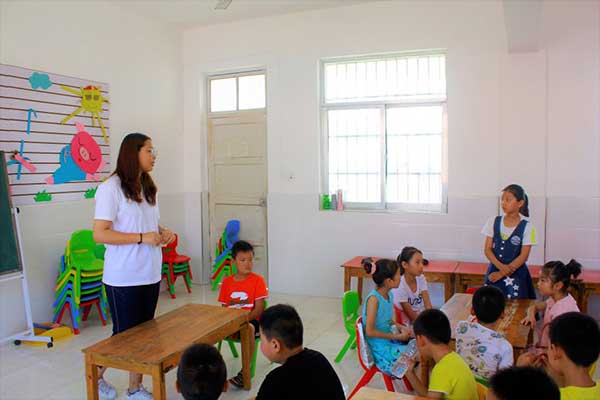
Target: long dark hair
519 194
380 270
128 170
559 272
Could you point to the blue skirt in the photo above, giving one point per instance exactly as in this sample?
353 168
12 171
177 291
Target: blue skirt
519 285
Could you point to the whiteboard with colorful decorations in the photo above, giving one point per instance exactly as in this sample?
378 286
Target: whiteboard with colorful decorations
55 132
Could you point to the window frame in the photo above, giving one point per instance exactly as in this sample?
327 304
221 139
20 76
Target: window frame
235 75
383 105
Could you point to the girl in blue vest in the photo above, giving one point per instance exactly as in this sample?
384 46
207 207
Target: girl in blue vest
384 336
507 245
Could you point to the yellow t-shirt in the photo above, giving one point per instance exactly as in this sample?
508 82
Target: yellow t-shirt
580 393
452 376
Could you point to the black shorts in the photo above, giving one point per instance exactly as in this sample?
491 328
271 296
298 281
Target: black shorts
131 305
254 323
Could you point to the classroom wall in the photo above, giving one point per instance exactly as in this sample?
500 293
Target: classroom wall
530 118
140 59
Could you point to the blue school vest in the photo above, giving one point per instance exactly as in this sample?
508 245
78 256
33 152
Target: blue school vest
518 285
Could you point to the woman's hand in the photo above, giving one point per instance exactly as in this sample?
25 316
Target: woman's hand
166 236
495 276
151 238
530 318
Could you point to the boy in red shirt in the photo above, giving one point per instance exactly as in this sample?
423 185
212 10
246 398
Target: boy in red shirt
244 290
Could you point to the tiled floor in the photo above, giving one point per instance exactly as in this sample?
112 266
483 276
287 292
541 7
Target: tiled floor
58 373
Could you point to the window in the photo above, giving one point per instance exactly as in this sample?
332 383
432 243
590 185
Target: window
237 92
384 130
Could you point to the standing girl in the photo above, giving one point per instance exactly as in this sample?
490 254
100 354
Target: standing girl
411 297
383 334
126 220
507 245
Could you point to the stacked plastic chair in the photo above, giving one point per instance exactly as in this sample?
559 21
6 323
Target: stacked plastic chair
223 261
79 284
175 265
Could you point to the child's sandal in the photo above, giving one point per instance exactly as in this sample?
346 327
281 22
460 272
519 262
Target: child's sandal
237 381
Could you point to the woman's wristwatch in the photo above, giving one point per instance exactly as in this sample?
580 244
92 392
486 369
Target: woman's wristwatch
140 242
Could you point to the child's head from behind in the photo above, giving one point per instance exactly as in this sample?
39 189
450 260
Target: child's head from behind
431 328
522 383
242 253
574 340
488 304
411 261
281 330
202 374
514 199
556 277
385 273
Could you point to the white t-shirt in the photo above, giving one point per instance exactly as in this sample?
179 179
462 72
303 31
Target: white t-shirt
529 235
128 264
485 351
403 294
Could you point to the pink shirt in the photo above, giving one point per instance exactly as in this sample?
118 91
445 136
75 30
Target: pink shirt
553 310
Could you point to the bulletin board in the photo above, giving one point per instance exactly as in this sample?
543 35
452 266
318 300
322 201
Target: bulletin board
55 133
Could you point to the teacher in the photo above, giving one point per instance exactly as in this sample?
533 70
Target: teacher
126 220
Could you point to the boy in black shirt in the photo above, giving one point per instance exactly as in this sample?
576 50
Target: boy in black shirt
304 373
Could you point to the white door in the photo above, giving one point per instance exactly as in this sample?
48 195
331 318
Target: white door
238 179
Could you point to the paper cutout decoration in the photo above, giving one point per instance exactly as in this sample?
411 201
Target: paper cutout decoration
42 196
79 160
18 158
91 101
38 80
29 112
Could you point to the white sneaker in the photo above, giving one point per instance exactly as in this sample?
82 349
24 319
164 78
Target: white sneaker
106 391
141 394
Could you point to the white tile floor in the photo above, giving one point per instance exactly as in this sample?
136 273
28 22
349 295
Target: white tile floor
58 373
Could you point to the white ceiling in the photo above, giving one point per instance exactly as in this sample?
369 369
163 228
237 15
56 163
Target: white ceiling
189 13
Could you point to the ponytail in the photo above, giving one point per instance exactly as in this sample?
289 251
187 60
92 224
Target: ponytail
519 194
381 270
560 272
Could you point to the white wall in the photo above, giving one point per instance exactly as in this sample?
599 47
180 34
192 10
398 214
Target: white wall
141 61
510 116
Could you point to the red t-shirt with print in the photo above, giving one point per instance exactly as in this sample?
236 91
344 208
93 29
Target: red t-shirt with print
243 294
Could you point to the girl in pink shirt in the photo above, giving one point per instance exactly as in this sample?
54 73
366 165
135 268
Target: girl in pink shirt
554 282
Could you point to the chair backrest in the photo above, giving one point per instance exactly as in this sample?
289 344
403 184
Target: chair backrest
365 357
350 306
231 232
82 241
171 248
398 313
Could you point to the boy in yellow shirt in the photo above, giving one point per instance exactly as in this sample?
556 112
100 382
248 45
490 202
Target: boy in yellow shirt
451 377
574 347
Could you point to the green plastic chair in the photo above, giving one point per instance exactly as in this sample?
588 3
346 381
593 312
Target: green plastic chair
231 343
350 306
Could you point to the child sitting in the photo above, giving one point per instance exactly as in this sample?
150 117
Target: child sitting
411 297
202 374
554 281
522 383
383 335
304 374
451 377
574 347
244 290
485 350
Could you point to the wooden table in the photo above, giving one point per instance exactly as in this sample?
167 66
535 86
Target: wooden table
155 347
590 284
366 393
458 308
435 271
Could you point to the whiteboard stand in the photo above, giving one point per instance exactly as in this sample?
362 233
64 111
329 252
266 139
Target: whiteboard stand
29 334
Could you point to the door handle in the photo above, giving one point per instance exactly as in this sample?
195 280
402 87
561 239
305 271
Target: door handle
262 202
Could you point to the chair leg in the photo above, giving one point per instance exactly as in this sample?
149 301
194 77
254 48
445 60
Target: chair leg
353 346
253 364
219 345
100 313
345 348
407 384
232 348
388 382
363 381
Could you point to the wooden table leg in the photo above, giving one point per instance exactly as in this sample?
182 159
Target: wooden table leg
346 280
585 298
360 288
91 378
246 356
159 389
448 289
